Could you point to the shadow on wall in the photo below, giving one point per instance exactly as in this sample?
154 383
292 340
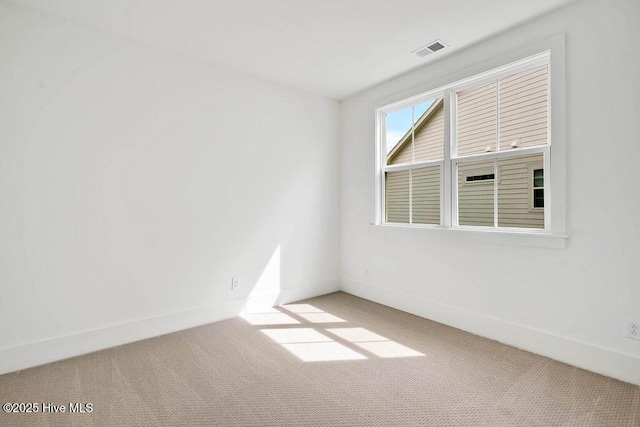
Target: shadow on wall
313 335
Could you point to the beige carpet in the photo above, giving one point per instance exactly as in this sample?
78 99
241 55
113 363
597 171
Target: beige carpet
335 360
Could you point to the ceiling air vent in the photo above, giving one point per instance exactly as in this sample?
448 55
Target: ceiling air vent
435 46
430 48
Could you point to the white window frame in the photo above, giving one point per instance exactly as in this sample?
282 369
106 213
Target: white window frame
551 52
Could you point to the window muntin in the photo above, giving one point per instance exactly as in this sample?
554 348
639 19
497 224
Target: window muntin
515 192
499 128
476 199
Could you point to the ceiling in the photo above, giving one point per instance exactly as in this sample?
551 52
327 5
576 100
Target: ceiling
333 48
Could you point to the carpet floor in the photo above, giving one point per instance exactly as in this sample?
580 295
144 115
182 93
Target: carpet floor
335 360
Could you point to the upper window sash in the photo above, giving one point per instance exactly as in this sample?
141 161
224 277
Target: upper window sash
449 93
496 76
495 73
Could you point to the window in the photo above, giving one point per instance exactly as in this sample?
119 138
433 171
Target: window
472 154
538 189
414 159
474 178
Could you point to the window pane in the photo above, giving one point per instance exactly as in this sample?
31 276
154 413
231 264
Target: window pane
427 136
420 109
425 193
538 178
397 196
523 109
515 193
477 120
399 136
475 197
538 198
429 132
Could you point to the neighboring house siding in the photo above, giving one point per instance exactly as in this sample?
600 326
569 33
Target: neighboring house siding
515 206
475 199
524 108
429 139
403 156
397 197
425 188
425 192
477 119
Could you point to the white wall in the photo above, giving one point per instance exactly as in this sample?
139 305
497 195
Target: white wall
571 304
134 183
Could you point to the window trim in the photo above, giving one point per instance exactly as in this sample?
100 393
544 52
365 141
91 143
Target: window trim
499 67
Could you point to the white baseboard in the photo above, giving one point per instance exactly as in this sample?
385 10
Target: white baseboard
603 361
310 291
59 348
54 349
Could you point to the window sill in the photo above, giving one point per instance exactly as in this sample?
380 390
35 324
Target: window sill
508 237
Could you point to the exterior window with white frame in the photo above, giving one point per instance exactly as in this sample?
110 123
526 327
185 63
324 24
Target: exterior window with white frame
473 154
537 187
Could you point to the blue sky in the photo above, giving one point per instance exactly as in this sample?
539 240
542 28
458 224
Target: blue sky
399 122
